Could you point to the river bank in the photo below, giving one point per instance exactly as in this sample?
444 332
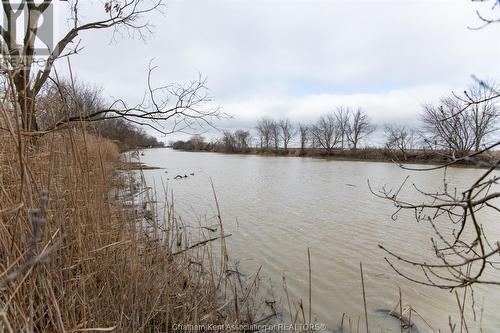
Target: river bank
83 250
430 157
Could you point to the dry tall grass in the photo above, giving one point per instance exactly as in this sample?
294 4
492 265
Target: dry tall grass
83 262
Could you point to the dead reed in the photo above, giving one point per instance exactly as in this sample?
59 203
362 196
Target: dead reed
76 254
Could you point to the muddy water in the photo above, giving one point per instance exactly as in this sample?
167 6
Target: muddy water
277 207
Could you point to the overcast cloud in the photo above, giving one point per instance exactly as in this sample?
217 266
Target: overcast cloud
299 59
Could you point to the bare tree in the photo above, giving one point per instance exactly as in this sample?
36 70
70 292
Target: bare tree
460 125
58 101
166 109
446 128
229 141
466 250
287 131
326 132
198 142
359 127
304 131
342 116
242 139
78 99
275 133
483 116
399 138
313 142
20 58
264 126
465 243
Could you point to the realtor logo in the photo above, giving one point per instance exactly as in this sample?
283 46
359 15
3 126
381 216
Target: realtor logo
18 18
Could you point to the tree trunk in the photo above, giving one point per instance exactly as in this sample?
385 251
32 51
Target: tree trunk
26 101
28 117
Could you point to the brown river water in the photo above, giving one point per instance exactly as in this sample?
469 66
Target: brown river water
278 207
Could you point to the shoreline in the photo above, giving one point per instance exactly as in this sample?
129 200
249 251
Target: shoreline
99 239
361 155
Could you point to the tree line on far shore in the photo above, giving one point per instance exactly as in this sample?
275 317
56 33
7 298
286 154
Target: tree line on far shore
457 126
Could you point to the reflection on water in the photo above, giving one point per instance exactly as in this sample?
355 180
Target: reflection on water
277 207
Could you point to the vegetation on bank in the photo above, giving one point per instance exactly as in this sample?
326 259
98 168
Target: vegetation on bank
81 251
81 246
361 154
81 98
455 128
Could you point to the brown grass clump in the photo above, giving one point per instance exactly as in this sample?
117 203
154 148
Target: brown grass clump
81 259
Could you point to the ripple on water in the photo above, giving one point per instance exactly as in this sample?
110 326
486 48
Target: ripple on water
285 205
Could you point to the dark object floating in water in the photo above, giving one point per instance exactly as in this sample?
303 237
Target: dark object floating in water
407 324
192 173
142 154
180 177
352 185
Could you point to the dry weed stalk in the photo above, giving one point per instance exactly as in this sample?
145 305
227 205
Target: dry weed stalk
108 272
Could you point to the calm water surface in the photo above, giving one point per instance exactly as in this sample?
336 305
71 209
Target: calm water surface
277 207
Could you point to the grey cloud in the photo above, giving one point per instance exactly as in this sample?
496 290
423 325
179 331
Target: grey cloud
300 58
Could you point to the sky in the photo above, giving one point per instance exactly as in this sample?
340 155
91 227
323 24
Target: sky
300 59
